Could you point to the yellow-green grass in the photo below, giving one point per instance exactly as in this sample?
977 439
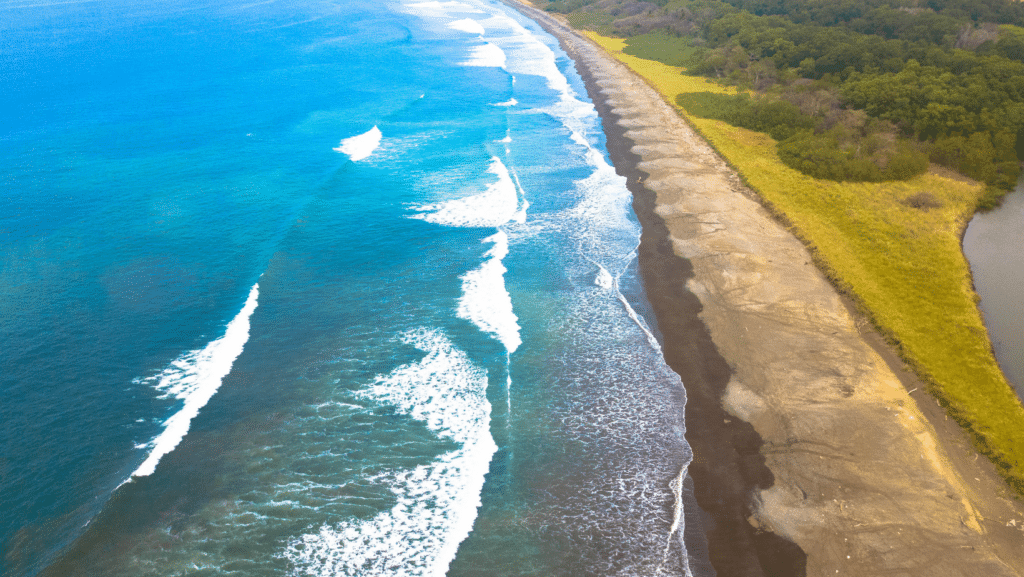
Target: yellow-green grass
903 266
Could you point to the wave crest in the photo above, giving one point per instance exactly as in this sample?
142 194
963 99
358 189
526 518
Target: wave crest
361 146
194 377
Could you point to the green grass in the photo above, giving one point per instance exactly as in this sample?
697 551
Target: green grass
902 265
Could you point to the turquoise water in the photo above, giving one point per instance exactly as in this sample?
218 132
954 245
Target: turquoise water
318 288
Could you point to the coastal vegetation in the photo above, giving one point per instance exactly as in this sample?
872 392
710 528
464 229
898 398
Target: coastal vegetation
883 80
832 113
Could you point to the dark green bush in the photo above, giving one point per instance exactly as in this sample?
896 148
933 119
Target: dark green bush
853 150
825 156
779 118
992 160
906 163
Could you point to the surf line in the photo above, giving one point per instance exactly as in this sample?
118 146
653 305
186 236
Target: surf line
485 300
194 378
572 113
436 502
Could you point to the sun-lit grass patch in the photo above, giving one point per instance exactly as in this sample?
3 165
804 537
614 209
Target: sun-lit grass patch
667 79
894 247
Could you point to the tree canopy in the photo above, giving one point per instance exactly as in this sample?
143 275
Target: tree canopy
944 75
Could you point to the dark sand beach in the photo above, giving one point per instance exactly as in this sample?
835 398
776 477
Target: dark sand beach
815 451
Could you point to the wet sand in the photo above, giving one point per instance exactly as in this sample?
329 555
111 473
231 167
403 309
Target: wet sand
815 451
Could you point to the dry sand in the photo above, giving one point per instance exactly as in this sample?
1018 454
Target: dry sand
816 452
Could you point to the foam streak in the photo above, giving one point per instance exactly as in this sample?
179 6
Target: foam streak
678 527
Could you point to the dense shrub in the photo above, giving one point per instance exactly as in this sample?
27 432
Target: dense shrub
779 118
826 156
992 160
906 163
828 142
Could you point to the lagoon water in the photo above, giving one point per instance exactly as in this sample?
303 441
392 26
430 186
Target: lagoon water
994 245
321 288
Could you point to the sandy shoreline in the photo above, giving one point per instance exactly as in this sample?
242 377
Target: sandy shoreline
813 454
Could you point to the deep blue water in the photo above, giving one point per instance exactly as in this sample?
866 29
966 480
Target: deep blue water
320 288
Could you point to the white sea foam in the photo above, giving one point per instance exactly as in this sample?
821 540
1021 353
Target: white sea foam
194 377
606 238
605 228
527 54
434 9
467 25
520 216
361 146
485 302
436 503
604 278
678 527
600 222
486 55
604 210
495 206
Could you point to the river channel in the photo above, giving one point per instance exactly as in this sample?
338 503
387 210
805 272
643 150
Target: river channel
994 246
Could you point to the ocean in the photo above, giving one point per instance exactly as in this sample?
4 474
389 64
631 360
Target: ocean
321 288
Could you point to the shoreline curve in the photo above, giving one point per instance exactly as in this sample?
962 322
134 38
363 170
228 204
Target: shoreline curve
810 455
